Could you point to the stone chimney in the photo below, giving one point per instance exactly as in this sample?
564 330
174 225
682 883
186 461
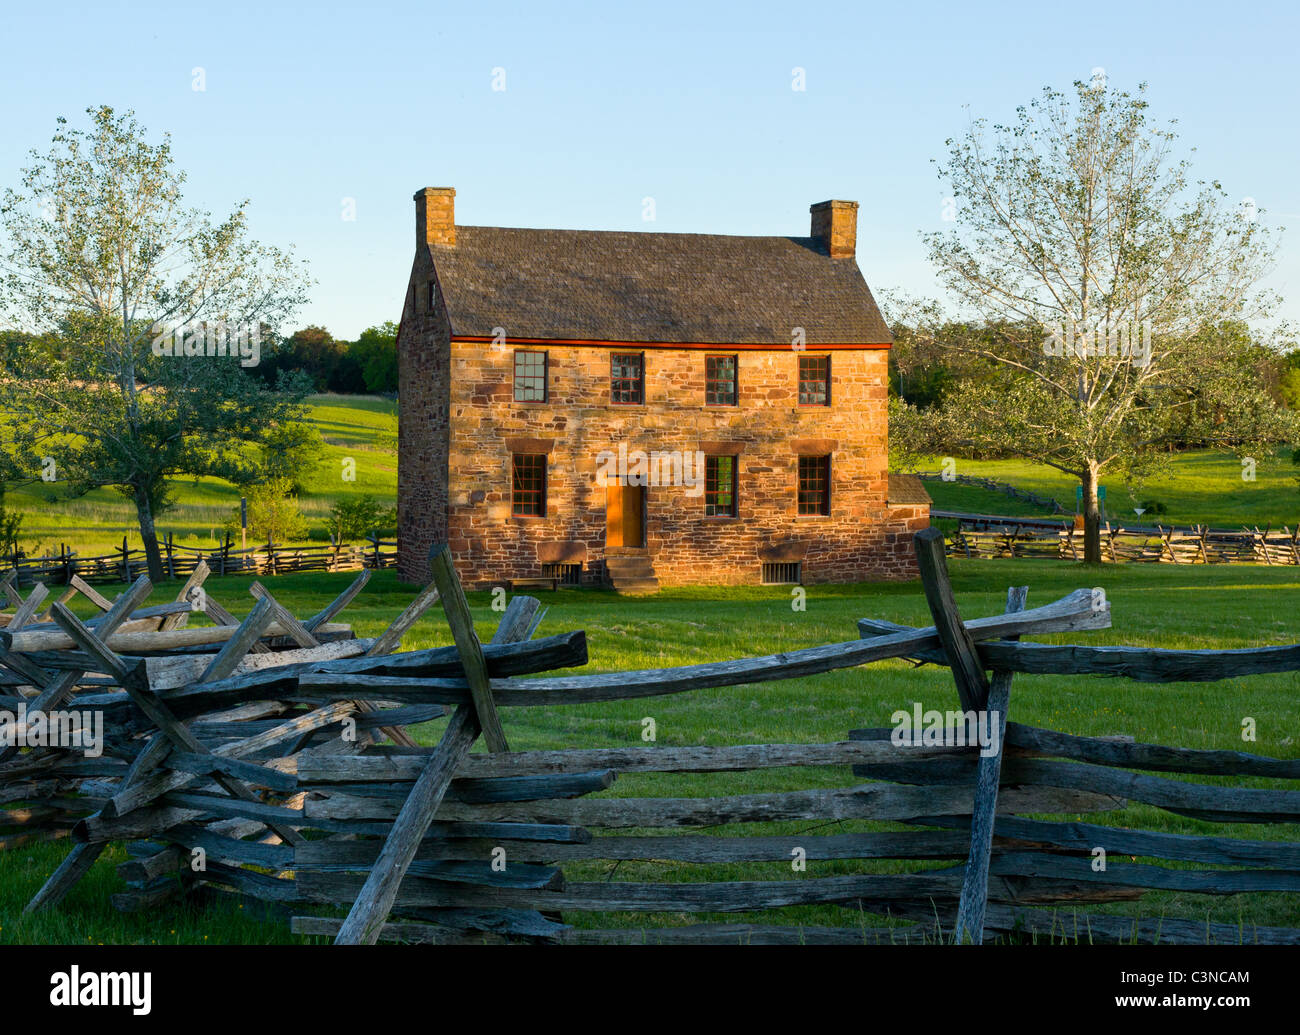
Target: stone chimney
435 216
835 227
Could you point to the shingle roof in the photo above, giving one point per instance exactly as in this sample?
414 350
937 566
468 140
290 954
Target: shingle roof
590 285
906 490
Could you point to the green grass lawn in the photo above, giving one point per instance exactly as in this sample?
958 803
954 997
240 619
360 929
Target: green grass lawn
1201 487
360 428
1154 605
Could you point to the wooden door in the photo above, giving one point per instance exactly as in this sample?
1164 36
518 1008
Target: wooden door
624 515
633 515
614 515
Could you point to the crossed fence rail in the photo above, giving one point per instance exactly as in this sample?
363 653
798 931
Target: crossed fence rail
276 749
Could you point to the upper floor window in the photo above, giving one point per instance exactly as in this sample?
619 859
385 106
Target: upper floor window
720 380
814 380
528 485
815 485
530 376
627 377
720 486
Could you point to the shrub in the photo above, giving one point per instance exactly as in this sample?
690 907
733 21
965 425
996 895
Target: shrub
354 518
273 513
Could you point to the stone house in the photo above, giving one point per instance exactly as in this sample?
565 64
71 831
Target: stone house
646 408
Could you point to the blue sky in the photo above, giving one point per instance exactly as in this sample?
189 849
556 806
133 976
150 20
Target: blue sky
305 105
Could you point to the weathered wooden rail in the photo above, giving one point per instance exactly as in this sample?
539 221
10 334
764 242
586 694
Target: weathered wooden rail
266 759
987 536
128 563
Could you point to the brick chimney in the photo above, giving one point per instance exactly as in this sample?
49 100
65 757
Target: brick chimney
435 216
835 227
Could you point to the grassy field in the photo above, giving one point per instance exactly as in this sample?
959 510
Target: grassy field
362 428
1200 488
1203 487
1152 605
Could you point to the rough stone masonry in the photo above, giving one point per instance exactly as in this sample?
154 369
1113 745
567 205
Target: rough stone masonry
479 295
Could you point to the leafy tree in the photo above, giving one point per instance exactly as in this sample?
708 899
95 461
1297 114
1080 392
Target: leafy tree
347 378
376 351
312 352
909 438
289 452
11 521
11 526
1125 285
13 343
1288 382
145 296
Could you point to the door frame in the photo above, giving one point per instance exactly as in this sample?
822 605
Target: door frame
635 494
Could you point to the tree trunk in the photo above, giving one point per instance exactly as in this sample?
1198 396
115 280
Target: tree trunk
153 557
1091 515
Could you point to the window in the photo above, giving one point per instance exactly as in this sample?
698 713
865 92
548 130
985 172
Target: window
720 486
528 485
720 380
814 485
814 380
433 296
530 376
627 377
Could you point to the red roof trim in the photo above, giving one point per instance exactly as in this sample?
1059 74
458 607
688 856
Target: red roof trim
711 345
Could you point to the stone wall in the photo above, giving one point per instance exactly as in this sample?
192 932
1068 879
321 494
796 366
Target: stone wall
423 350
472 392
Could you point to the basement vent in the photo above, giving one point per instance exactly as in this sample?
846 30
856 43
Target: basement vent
568 574
787 574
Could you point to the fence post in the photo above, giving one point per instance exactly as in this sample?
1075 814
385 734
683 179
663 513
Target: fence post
967 670
126 562
973 901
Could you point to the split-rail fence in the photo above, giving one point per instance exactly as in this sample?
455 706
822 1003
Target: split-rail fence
267 760
128 563
989 536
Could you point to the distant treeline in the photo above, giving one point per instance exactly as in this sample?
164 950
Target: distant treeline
365 366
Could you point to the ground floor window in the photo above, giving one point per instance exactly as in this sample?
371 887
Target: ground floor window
720 486
814 485
528 485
